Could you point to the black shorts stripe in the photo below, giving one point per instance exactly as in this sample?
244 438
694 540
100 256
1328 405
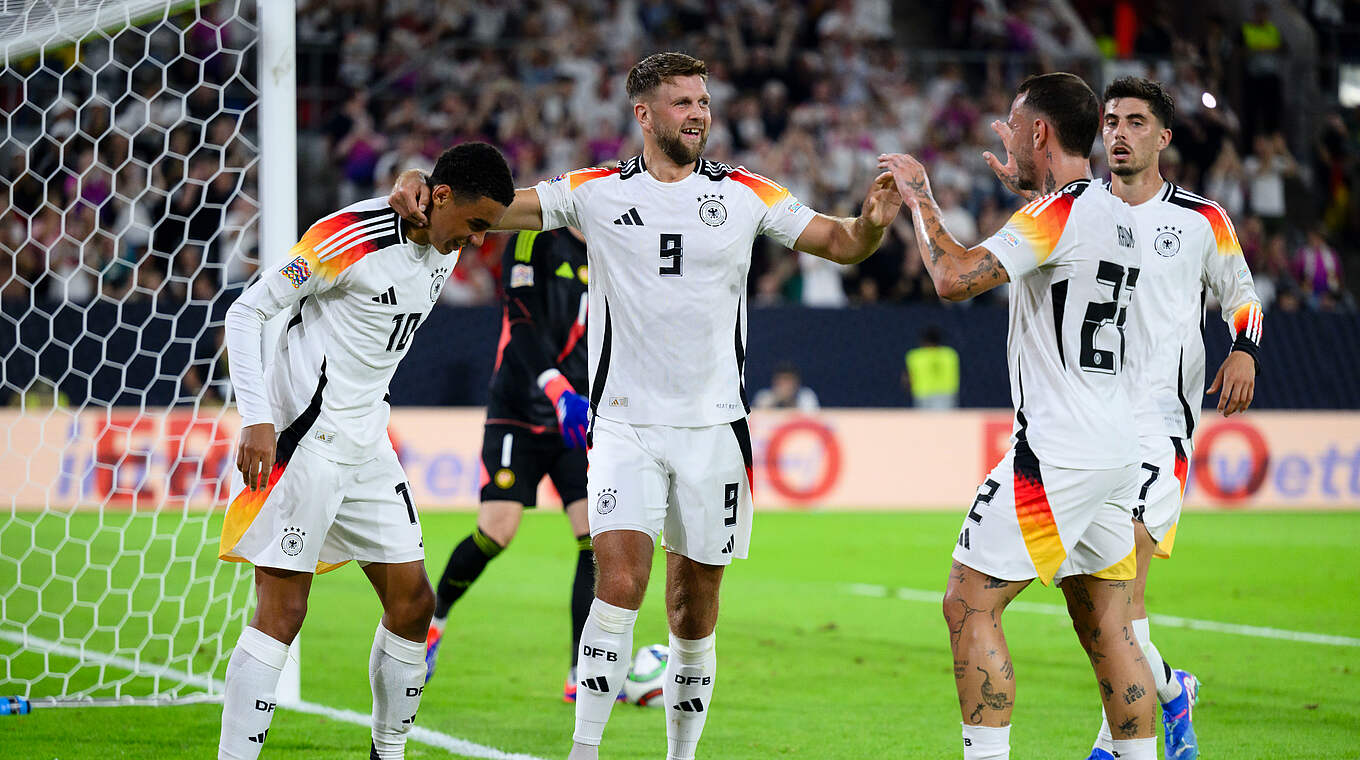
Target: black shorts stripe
292 435
742 429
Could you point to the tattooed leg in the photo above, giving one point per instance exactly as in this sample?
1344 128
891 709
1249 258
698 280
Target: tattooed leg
983 673
1100 611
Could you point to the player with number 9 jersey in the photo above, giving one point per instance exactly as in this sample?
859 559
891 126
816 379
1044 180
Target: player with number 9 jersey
667 333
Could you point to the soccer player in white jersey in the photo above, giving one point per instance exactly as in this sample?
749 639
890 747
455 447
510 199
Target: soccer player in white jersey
669 236
1188 245
1058 505
328 488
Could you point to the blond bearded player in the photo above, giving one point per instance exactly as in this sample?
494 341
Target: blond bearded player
1057 507
669 236
327 487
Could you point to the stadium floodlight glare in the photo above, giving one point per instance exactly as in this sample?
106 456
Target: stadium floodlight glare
134 145
1208 100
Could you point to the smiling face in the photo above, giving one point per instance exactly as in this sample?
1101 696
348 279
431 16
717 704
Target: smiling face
677 118
1133 137
455 223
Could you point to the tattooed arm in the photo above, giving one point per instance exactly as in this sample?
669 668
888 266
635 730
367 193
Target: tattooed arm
959 273
852 240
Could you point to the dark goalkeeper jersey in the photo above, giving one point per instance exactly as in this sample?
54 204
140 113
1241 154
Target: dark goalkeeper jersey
543 326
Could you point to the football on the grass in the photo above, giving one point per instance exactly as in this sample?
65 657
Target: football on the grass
643 686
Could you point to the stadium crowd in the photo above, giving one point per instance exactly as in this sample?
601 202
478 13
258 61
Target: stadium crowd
807 93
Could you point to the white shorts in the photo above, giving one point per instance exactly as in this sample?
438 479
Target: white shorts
693 484
1161 490
317 514
1030 520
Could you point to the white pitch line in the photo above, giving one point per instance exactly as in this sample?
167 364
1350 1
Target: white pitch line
1170 621
423 735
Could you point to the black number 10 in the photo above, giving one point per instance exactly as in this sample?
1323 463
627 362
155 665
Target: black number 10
402 327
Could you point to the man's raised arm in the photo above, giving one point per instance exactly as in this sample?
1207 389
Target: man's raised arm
410 197
959 273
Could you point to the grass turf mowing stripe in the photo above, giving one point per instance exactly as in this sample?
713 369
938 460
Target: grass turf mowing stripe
423 735
1171 621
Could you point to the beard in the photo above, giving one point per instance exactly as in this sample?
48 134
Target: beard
1129 169
1027 175
676 150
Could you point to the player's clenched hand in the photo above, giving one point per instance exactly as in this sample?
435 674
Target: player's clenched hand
573 412
910 176
410 197
882 202
1237 379
255 455
1009 172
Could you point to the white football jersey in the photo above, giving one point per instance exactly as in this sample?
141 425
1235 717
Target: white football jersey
356 289
1188 245
668 266
1073 262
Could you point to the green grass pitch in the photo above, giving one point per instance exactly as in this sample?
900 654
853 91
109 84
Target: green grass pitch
807 668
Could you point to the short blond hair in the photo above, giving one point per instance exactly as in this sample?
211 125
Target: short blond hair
650 72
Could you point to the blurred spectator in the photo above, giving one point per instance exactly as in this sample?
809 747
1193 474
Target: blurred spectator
932 372
1264 48
786 391
1266 168
1318 270
1225 181
806 93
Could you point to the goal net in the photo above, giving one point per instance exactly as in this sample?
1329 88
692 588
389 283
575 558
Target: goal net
129 211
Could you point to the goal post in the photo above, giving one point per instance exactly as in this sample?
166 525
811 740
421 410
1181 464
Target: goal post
141 139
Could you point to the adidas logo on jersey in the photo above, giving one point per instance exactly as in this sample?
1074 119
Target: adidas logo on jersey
390 297
630 218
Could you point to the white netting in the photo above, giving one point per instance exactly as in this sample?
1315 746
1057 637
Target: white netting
128 217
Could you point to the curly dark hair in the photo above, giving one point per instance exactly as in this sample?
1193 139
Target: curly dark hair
1159 101
650 72
1070 106
474 170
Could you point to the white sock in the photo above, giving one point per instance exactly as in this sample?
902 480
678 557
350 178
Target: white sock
688 692
1167 688
986 742
1135 749
1104 740
601 667
248 703
396 672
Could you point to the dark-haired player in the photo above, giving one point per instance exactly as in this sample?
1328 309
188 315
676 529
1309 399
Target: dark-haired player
535 421
1188 245
328 488
1058 505
670 234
